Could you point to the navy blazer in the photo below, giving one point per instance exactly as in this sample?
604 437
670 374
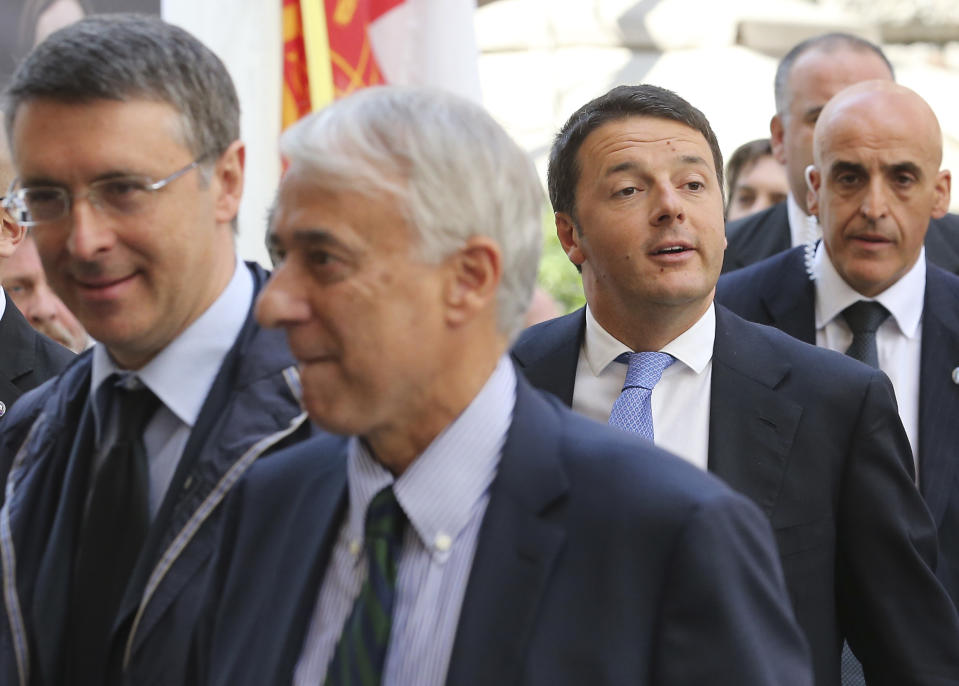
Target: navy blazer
830 466
601 560
779 292
27 357
251 409
766 233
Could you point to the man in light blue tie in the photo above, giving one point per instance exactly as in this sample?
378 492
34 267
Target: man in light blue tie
813 437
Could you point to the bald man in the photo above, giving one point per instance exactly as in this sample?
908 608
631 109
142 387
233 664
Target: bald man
874 185
809 75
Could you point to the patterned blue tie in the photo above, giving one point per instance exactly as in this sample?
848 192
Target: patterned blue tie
633 409
360 654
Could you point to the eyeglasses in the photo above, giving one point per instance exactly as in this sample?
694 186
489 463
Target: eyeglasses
118 195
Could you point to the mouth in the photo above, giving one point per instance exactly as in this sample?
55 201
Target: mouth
671 250
103 287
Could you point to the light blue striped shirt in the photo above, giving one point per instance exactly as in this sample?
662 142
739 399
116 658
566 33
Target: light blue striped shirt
444 494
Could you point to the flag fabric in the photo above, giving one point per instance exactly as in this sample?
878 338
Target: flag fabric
332 48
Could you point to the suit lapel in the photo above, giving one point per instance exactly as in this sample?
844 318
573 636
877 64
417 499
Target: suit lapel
791 300
938 394
549 352
18 346
517 548
751 426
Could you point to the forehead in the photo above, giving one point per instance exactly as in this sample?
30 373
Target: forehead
882 134
306 209
49 134
819 74
649 141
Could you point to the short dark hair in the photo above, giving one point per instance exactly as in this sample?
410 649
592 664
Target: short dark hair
621 102
827 42
741 158
129 56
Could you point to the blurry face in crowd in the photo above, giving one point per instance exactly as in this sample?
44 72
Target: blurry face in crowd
816 76
761 184
24 280
134 281
877 182
347 281
648 230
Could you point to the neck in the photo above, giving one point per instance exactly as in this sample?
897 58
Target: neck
648 327
397 444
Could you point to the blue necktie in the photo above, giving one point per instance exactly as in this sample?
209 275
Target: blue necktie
633 409
360 654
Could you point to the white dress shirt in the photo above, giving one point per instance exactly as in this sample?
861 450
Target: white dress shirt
444 494
898 339
803 228
180 376
3 302
680 401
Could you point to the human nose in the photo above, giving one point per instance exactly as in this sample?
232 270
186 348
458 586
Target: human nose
667 206
89 233
43 306
874 204
281 303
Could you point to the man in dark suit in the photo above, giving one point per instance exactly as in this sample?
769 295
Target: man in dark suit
533 546
27 357
874 209
812 437
124 135
807 77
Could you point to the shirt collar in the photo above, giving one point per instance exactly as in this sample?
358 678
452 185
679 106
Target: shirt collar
903 299
441 489
803 228
3 302
181 374
693 347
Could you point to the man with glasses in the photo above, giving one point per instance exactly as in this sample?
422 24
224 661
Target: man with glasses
123 134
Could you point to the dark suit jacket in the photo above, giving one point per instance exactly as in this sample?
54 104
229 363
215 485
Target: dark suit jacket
829 464
27 357
778 292
766 233
600 560
251 409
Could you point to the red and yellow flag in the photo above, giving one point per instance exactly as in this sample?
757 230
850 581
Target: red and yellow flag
327 52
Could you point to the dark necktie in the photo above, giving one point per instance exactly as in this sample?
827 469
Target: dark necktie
864 318
360 654
633 409
111 536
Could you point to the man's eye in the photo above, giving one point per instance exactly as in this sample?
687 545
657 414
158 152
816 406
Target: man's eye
120 188
626 192
695 185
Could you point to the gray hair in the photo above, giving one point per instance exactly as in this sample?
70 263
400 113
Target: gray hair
827 42
127 56
452 169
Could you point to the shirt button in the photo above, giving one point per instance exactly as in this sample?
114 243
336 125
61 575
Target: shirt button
355 547
442 542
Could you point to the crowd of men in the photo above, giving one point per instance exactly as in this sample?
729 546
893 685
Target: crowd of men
361 469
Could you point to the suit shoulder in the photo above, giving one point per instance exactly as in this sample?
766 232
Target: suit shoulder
52 356
740 289
296 466
631 472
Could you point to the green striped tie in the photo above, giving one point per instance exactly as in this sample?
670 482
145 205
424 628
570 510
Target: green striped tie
361 651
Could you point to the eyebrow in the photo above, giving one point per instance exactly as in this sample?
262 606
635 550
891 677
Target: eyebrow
908 167
812 114
842 167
